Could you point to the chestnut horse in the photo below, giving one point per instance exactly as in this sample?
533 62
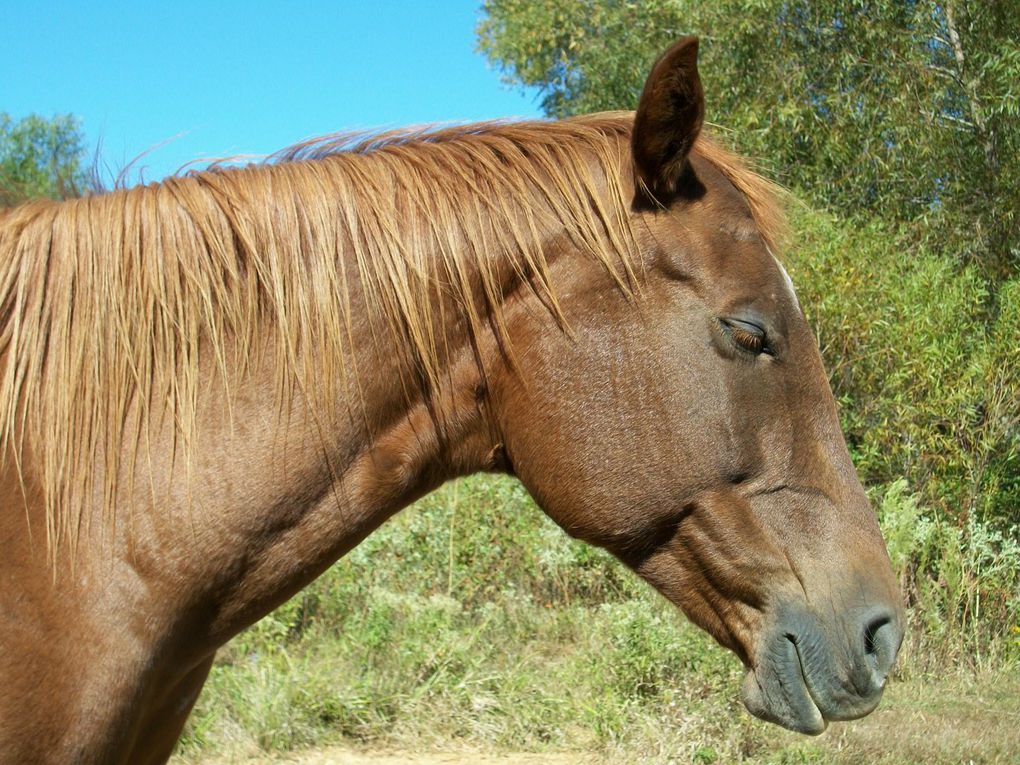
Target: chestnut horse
213 387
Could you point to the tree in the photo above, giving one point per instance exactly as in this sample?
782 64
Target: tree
902 108
41 157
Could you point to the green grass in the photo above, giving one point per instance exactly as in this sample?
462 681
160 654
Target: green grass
471 621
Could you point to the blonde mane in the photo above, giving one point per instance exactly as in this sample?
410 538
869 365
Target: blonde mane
109 301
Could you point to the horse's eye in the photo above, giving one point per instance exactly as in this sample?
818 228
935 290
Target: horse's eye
747 335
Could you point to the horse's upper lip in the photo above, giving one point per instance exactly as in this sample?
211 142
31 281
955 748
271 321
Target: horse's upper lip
777 689
804 679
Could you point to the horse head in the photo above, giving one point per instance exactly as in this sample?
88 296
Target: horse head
690 430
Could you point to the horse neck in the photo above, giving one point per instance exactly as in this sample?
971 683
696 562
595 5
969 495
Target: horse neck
288 488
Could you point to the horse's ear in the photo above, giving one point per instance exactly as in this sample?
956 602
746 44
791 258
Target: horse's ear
668 120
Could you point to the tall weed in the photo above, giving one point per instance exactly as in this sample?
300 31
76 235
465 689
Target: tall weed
962 582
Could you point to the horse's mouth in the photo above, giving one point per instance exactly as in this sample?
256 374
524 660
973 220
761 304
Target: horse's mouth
792 685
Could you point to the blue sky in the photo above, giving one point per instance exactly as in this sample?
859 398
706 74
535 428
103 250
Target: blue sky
225 78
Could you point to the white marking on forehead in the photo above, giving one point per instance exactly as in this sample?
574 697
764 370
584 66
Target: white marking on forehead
786 279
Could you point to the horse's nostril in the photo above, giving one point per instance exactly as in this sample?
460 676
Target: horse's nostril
881 643
871 633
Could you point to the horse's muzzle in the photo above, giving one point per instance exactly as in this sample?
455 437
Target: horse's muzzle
809 672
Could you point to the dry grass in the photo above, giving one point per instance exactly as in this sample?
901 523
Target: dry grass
961 718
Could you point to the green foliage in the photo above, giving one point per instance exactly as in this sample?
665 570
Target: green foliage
585 56
462 543
927 377
962 581
908 110
999 419
40 158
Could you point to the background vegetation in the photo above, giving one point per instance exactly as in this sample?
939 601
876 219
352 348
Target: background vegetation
41 157
470 620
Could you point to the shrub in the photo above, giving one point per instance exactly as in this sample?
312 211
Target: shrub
922 356
962 582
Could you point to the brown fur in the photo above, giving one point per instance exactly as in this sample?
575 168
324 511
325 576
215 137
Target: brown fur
215 386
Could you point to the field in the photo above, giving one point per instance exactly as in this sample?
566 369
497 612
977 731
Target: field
470 624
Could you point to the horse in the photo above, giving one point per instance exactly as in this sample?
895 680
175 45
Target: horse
213 387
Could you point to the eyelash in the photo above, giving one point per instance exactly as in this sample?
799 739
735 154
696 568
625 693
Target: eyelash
748 340
745 338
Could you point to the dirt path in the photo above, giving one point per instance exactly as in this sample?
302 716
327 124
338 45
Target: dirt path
340 756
